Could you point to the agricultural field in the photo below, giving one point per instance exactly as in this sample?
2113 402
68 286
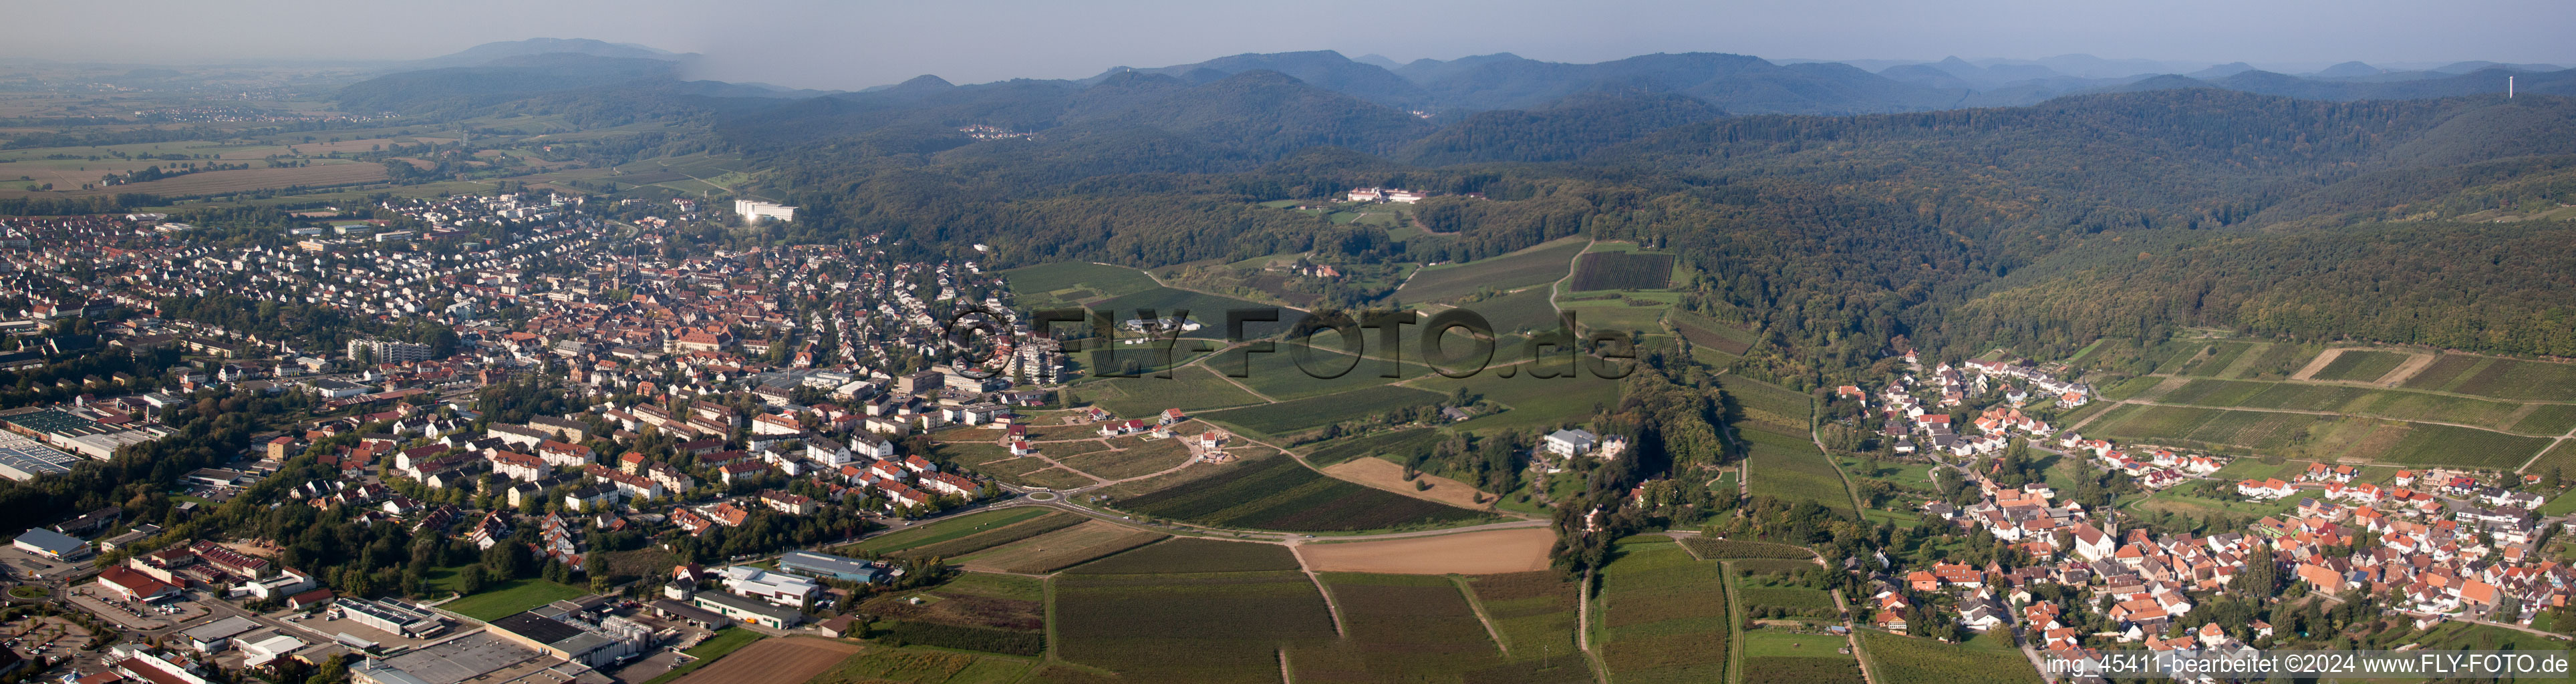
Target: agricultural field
1538 265
1714 549
1134 455
878 665
1209 310
944 530
1059 549
2268 361
1790 469
1708 332
1533 611
1280 375
204 183
995 536
1275 492
1630 313
1187 555
1068 282
1662 616
1388 443
2501 378
1769 595
1401 628
976 612
1898 659
2376 403
1193 628
1622 271
2204 359
2361 365
1794 658
1314 412
1532 401
1523 311
1191 388
1470 553
1768 407
788 659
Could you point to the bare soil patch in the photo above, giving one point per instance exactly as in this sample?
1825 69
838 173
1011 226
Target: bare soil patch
1470 553
1383 474
2414 364
789 659
2320 363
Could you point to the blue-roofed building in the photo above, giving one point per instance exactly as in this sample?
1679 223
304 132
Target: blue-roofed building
51 544
813 564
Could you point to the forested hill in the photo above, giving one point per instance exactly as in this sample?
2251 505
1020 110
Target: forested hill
1831 234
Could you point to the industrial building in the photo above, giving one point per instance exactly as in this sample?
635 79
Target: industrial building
389 617
563 631
747 610
51 544
813 564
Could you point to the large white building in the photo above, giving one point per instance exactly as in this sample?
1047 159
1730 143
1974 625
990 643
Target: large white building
753 211
389 351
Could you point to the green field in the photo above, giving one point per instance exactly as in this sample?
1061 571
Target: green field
943 530
1276 493
1534 266
1630 314
1622 271
1708 332
994 536
1772 595
1523 311
1898 659
1662 617
1315 412
2273 361
1714 549
504 599
2356 365
1790 469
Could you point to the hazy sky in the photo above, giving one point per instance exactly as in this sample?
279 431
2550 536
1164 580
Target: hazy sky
822 44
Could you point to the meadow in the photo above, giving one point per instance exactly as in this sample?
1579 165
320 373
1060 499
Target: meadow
1790 469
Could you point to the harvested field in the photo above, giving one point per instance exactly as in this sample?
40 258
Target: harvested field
1060 549
1379 473
1472 553
790 659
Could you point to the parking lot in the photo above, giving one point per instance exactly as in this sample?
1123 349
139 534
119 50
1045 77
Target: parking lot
49 637
134 615
27 566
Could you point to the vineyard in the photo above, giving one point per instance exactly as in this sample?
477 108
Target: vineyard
1210 627
1277 493
1663 617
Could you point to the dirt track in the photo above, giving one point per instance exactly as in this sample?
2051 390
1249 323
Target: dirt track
1472 553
